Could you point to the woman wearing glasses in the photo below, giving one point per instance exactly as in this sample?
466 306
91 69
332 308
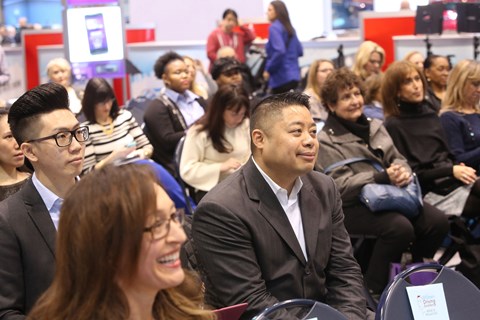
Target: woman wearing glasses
11 158
118 256
114 133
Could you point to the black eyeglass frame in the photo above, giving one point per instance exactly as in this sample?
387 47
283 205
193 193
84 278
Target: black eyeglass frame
178 216
72 135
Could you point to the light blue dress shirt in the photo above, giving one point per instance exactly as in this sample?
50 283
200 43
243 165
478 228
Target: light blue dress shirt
187 103
51 200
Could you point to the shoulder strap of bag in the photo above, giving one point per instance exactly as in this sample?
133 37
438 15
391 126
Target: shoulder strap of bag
173 107
345 162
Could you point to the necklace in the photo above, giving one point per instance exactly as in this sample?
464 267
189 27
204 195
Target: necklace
107 128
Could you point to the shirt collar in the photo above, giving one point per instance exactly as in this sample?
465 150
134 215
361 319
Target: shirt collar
188 96
47 196
277 190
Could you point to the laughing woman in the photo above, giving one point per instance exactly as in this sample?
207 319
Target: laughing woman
117 256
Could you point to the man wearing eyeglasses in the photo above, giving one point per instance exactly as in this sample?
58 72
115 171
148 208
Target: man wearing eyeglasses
51 139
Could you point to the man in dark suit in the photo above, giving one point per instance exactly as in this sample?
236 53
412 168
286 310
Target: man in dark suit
274 230
50 137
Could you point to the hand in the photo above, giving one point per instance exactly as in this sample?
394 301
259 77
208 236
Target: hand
121 153
266 75
399 175
464 173
230 165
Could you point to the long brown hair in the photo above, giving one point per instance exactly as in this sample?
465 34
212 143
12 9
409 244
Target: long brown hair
283 16
228 97
393 80
99 240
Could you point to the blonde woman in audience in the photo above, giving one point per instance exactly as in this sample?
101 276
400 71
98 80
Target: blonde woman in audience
219 143
369 59
11 158
416 58
195 87
60 71
117 256
114 132
436 69
460 113
317 73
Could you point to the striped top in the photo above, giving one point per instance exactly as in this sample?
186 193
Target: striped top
103 140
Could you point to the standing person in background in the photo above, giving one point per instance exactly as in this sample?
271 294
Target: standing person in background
283 50
54 142
436 69
219 143
114 132
60 71
226 35
369 60
11 158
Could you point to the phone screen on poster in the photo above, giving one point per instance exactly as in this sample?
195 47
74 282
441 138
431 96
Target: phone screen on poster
95 34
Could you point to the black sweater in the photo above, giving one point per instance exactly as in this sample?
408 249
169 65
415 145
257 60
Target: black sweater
419 136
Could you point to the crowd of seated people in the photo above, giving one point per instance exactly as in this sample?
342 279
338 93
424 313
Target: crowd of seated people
251 179
349 134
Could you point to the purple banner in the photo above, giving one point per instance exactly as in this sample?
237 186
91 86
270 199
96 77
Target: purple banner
89 2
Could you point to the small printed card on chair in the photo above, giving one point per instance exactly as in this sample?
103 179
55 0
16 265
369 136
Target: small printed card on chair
428 302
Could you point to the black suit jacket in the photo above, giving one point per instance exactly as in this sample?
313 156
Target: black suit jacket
27 247
247 250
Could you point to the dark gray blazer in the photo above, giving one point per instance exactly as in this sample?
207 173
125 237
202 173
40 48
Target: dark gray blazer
27 246
247 250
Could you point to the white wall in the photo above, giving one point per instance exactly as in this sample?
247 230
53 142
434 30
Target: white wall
184 20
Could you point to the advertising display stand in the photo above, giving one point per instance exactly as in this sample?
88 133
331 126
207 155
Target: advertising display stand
468 21
94 39
429 20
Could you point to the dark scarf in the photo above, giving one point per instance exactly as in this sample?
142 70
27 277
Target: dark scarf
360 128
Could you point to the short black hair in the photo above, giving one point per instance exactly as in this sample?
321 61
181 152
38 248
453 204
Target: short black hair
163 61
98 90
32 104
229 11
271 107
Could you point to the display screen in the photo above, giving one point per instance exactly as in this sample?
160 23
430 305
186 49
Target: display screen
345 13
96 41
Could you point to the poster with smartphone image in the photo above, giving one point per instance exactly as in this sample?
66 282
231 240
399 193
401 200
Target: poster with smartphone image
95 42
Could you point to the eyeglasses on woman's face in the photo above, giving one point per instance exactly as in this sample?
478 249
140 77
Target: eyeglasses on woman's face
161 227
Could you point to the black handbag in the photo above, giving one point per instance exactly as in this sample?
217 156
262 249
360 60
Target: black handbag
386 197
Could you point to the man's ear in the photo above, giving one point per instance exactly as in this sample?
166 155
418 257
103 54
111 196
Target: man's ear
258 138
29 151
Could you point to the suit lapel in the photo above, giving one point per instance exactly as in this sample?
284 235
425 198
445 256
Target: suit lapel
269 207
37 211
309 204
